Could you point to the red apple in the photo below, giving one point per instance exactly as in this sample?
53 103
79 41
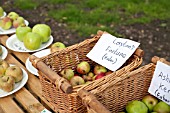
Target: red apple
108 72
19 22
83 67
67 73
6 23
99 69
99 76
77 80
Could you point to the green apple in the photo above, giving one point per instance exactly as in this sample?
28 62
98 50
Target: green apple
14 71
43 30
22 31
77 80
32 41
67 73
19 22
7 83
136 106
57 46
83 67
150 101
6 23
161 107
1 11
13 15
99 69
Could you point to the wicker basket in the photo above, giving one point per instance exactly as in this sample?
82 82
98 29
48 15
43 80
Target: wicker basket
127 87
55 88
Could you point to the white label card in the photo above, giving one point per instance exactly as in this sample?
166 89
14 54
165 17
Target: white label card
112 52
160 83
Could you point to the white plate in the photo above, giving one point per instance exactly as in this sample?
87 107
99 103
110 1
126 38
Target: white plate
4 52
17 86
14 44
3 15
39 54
10 31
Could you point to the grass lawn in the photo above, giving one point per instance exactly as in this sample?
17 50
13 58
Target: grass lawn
88 16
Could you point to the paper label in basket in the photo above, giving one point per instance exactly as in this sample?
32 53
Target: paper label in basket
112 52
160 83
45 111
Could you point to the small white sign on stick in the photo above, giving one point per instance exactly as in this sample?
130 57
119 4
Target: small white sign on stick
160 84
112 52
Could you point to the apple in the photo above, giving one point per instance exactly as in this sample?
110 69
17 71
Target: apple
32 41
1 11
1 50
3 66
161 107
19 22
13 15
90 74
150 101
4 63
43 30
87 78
57 46
2 71
67 73
16 72
21 32
94 77
136 106
99 76
108 72
83 67
77 80
99 69
7 83
6 23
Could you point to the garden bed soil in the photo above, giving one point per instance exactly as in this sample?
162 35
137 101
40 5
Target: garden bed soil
154 37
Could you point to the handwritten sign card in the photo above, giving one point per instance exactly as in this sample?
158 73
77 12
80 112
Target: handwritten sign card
112 52
160 84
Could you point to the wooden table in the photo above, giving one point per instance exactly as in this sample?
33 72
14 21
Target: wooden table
28 98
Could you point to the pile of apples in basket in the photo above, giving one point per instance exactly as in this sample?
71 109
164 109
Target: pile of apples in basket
84 73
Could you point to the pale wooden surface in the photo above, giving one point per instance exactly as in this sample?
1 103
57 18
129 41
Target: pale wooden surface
29 98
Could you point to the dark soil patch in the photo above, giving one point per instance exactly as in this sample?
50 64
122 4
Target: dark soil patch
154 37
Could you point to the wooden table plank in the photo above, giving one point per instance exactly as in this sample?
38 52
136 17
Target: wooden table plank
28 101
9 106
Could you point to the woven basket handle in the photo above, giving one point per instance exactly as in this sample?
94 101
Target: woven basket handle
62 83
156 58
90 101
139 52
